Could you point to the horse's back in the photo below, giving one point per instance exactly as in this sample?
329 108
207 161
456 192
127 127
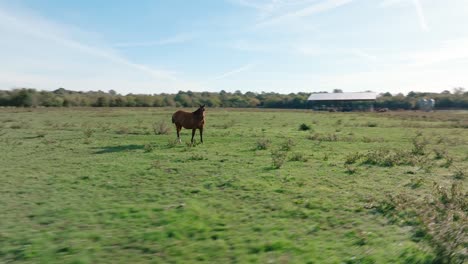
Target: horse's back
186 120
180 117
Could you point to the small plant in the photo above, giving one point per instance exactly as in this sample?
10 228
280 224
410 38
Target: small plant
88 133
171 143
40 134
148 148
139 123
161 128
353 158
350 169
371 124
415 183
155 164
104 126
297 156
304 127
448 162
263 143
197 156
419 145
278 157
288 145
323 137
459 174
123 130
440 218
440 153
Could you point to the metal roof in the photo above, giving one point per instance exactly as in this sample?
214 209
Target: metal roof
343 96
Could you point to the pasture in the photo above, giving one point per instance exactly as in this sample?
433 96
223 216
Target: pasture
108 185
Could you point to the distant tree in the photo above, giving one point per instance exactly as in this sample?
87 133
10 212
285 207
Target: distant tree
458 90
337 91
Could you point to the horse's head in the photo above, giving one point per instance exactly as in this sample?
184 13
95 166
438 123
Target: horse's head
200 111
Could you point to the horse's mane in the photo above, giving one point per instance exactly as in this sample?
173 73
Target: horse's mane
197 112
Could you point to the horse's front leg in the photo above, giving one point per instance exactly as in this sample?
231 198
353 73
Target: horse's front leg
193 133
201 134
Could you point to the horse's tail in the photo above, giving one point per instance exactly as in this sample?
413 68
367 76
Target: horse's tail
173 119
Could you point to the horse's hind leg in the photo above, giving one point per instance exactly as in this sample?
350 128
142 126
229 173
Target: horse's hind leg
178 128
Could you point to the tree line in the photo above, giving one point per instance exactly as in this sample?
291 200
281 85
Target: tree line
456 99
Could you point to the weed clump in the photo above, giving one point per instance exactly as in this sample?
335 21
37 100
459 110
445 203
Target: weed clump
440 218
263 143
288 145
161 128
197 157
278 157
304 127
419 145
297 156
88 132
148 148
323 137
371 124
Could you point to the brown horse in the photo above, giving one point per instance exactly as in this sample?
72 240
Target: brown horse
189 120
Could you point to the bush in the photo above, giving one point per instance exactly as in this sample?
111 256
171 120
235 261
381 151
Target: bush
440 218
296 156
148 147
323 137
161 128
278 158
419 145
263 143
288 144
304 127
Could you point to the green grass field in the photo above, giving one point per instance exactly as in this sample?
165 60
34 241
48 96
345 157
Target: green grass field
99 186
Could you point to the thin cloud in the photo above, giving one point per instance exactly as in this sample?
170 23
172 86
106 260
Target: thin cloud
235 71
421 16
41 28
418 8
304 12
181 38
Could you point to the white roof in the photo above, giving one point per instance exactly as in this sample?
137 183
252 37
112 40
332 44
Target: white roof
342 96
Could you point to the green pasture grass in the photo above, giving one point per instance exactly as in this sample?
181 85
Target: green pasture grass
97 185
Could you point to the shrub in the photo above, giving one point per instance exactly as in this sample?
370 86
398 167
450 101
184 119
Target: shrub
288 144
296 156
440 153
278 158
263 143
371 124
161 128
88 132
323 137
304 127
123 130
440 218
353 158
350 169
419 145
459 174
197 156
148 147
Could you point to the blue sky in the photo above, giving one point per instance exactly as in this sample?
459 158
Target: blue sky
211 45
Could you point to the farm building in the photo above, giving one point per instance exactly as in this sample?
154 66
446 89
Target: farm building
343 101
